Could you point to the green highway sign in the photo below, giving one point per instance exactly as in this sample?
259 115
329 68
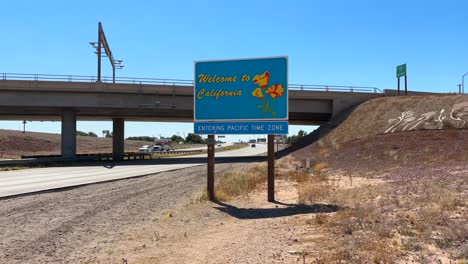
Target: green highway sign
401 70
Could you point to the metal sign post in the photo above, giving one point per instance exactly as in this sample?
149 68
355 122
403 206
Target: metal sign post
211 164
271 168
406 85
398 91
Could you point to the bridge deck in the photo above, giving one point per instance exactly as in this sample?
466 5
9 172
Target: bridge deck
170 100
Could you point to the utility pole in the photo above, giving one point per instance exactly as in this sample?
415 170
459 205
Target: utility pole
102 44
99 52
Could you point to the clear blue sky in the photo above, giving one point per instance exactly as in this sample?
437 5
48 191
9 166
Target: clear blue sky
332 42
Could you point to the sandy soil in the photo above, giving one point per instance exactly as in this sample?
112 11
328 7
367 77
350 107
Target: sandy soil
75 225
244 230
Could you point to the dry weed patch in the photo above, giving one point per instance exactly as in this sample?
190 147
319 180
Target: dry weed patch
238 182
379 222
399 221
390 222
13 168
319 167
312 188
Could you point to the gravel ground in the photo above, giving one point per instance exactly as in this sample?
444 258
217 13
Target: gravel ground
153 220
71 225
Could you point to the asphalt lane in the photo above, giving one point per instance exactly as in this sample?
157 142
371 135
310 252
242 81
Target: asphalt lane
41 179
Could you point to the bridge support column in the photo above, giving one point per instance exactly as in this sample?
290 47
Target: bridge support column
118 138
68 142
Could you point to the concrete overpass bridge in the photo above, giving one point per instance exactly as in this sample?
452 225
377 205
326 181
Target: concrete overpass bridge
69 98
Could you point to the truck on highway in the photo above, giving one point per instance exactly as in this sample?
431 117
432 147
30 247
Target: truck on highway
162 145
146 149
158 146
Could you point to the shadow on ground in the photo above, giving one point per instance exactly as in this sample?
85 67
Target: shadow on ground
261 213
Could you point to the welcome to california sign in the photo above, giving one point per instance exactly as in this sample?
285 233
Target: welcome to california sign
241 90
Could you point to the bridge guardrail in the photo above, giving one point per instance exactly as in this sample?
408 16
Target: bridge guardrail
175 82
334 88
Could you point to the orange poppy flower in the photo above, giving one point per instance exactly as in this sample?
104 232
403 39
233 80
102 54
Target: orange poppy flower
258 93
262 79
276 90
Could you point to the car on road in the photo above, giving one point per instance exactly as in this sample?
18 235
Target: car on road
154 148
253 146
162 147
145 149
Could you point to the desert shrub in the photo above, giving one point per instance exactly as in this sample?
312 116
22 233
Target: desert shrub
319 167
239 182
311 192
321 219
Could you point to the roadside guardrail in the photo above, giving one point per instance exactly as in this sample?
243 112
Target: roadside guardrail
55 158
109 156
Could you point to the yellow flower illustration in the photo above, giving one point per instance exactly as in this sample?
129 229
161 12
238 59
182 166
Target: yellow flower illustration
276 90
258 93
262 79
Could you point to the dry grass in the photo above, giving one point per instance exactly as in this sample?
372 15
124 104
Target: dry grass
319 167
313 187
11 168
313 191
234 183
321 219
402 221
385 223
232 147
296 176
420 215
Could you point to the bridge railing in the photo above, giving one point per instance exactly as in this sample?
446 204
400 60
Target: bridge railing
176 82
91 79
334 88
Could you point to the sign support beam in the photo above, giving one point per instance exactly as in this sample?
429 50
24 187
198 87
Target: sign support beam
271 168
211 164
406 85
398 86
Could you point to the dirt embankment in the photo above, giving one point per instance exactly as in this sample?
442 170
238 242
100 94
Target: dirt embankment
384 128
14 144
389 115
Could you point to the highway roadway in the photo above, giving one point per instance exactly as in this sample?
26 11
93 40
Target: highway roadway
42 179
